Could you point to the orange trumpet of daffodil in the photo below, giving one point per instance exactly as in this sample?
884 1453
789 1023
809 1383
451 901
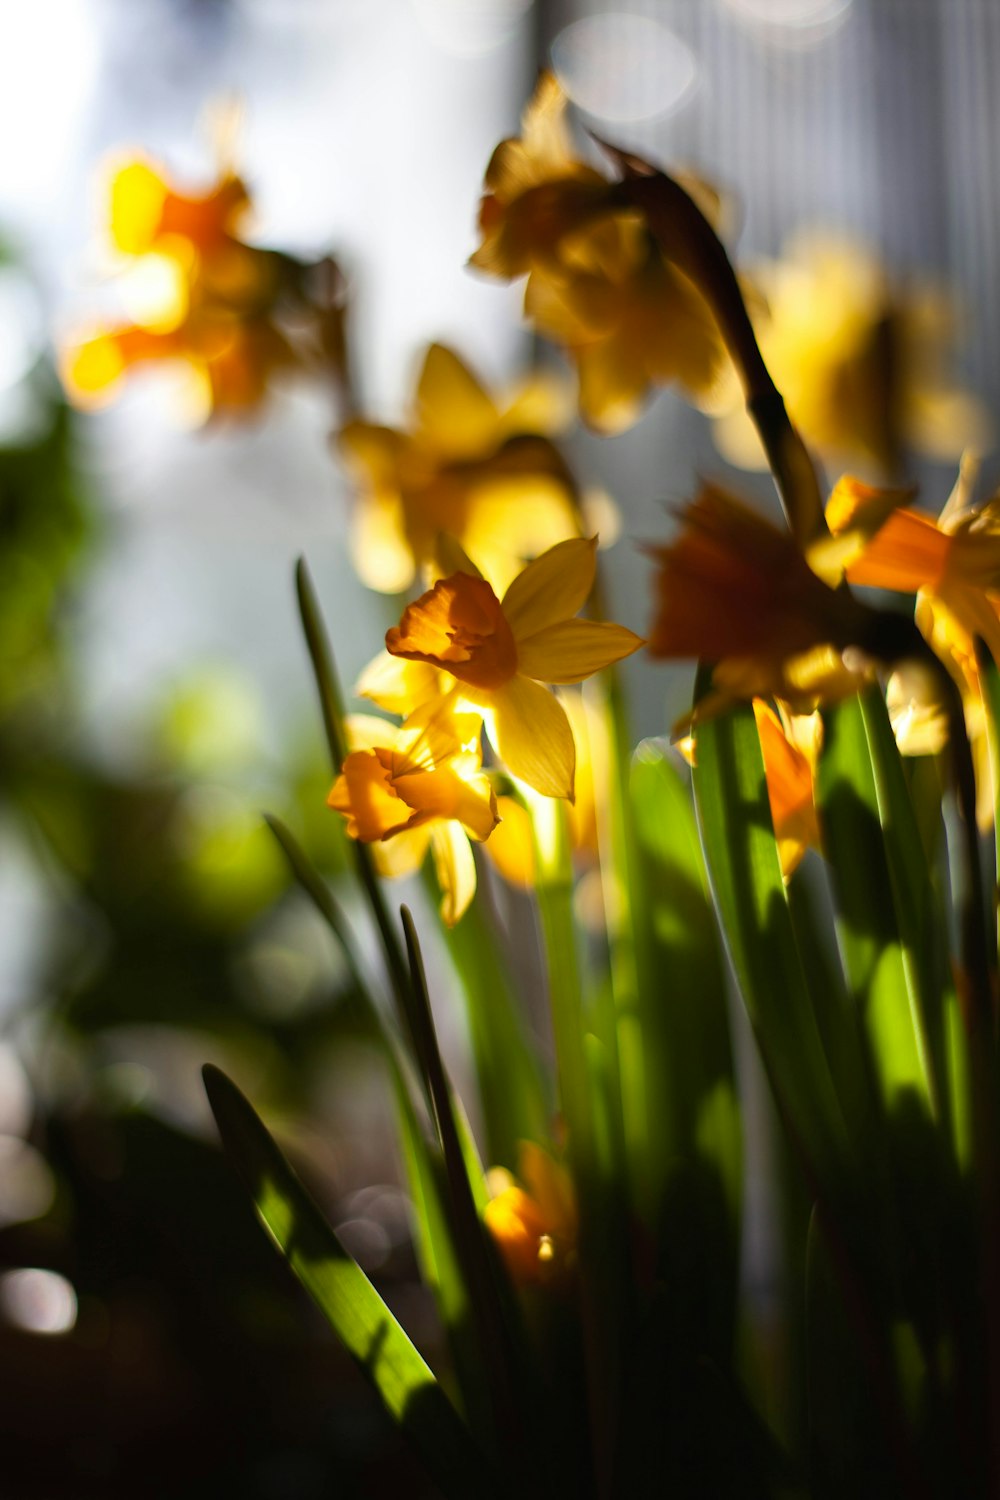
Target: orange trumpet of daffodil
598 283
501 652
417 787
534 1226
734 590
480 470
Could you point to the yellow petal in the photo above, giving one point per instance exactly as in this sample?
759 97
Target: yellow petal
511 845
455 415
551 588
403 853
380 551
444 795
397 685
138 194
533 737
574 649
455 869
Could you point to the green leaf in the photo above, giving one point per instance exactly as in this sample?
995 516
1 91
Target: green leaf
741 856
869 833
343 1292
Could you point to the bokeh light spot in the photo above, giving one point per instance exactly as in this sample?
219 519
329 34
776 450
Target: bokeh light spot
623 67
38 1301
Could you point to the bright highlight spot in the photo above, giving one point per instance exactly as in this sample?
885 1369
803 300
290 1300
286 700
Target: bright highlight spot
792 20
624 68
154 293
38 1301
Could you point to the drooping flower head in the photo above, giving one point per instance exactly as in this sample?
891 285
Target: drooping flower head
598 282
469 466
417 787
735 591
501 651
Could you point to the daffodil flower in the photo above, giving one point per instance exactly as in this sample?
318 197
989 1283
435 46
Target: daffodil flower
862 364
501 652
197 296
734 590
417 787
598 283
470 466
534 1226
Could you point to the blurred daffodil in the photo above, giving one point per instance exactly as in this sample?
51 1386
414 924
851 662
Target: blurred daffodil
862 364
598 283
502 651
196 296
734 590
952 566
534 1226
417 787
468 466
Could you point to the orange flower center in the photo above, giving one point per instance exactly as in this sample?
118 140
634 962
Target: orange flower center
459 626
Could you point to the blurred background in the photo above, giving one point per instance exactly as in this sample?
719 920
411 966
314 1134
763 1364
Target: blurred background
155 696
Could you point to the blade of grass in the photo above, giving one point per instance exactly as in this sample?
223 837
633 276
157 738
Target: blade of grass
356 1312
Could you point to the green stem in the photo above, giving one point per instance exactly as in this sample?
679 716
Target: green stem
690 243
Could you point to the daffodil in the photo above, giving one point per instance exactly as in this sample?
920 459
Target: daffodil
734 590
534 1226
952 566
501 652
417 787
862 363
198 297
598 283
469 466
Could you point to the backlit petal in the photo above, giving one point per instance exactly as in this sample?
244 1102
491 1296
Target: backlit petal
511 846
574 649
454 413
455 869
552 588
533 737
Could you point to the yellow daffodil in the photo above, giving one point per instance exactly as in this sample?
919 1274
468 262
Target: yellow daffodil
198 297
862 364
480 470
734 590
415 787
501 652
534 1226
597 281
790 745
952 566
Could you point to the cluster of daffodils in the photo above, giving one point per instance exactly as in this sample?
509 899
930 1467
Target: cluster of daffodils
200 296
471 661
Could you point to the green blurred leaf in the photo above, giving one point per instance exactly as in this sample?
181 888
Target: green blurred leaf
340 1288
